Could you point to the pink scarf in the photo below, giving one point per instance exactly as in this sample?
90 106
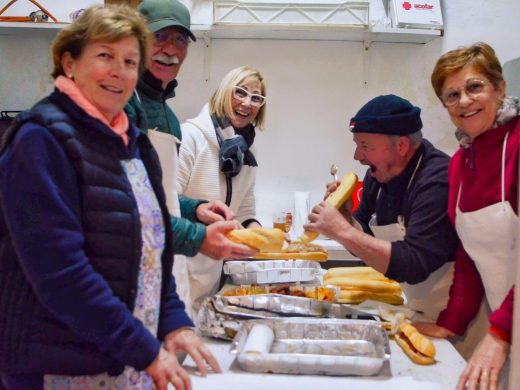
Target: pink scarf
119 124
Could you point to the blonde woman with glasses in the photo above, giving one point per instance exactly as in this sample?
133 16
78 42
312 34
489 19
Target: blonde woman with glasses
483 206
217 161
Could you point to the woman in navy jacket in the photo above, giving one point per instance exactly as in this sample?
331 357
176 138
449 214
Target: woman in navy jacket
87 291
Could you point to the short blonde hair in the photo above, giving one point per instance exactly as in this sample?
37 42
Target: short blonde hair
480 55
220 102
101 24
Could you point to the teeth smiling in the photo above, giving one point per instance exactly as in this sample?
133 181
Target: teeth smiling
469 114
241 113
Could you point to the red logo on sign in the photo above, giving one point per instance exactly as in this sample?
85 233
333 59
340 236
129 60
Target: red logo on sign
407 6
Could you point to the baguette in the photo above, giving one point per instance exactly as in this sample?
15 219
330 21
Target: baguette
358 296
354 272
337 199
262 239
376 286
317 256
297 250
416 346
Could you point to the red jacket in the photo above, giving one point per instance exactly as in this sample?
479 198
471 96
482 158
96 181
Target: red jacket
479 169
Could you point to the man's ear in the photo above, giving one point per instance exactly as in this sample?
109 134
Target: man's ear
403 146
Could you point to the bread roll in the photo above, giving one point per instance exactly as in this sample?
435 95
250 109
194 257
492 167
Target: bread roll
297 250
337 199
376 286
417 347
354 272
263 239
358 296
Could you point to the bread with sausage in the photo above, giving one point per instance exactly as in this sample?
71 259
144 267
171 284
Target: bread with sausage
415 345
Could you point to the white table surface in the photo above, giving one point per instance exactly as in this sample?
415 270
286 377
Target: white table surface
398 373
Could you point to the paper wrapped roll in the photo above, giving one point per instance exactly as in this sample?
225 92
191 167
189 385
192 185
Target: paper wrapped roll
259 340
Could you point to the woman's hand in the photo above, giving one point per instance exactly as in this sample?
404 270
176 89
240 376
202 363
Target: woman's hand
485 364
433 330
214 211
166 369
185 339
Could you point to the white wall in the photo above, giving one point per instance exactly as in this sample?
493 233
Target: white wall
314 87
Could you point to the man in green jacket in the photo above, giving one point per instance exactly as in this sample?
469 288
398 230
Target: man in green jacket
203 224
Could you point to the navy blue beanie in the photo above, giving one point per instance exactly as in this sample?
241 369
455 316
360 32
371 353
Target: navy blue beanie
387 114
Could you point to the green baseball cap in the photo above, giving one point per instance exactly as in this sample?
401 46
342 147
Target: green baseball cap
166 13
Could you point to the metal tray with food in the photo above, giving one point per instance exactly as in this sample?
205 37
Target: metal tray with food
272 271
285 299
311 346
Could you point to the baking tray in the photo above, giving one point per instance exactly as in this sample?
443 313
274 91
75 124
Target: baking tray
304 300
271 271
315 346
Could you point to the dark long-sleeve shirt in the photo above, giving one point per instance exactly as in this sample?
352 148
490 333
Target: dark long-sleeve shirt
430 240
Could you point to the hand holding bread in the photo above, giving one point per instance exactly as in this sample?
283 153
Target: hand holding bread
336 199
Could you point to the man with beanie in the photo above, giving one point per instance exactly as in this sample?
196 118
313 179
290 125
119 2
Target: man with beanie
401 227
169 21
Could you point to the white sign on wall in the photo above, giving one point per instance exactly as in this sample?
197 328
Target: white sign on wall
416 14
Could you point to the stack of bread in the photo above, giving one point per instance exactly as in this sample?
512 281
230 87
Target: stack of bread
358 284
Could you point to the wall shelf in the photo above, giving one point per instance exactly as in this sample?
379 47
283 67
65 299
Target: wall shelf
243 31
30 28
323 33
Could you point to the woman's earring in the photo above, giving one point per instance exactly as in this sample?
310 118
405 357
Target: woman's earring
69 76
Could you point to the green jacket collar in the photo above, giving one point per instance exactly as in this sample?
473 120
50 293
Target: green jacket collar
149 85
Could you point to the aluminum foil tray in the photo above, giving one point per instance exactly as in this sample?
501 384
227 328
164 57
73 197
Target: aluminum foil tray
271 271
219 320
313 346
293 300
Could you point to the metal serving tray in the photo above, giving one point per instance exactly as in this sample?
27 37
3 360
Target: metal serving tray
316 346
271 271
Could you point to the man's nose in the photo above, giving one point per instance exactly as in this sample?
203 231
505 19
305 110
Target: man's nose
358 156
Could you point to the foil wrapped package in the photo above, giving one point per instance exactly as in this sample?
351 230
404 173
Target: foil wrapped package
312 346
272 271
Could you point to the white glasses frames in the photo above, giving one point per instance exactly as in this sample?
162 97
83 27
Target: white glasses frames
242 95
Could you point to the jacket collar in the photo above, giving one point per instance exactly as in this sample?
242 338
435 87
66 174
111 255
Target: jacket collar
151 86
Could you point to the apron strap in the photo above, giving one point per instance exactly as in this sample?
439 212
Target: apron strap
502 175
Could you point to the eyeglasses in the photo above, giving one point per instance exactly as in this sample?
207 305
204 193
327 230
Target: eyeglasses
473 88
180 40
242 95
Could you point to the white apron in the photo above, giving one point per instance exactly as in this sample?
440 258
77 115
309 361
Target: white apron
166 146
429 297
489 237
